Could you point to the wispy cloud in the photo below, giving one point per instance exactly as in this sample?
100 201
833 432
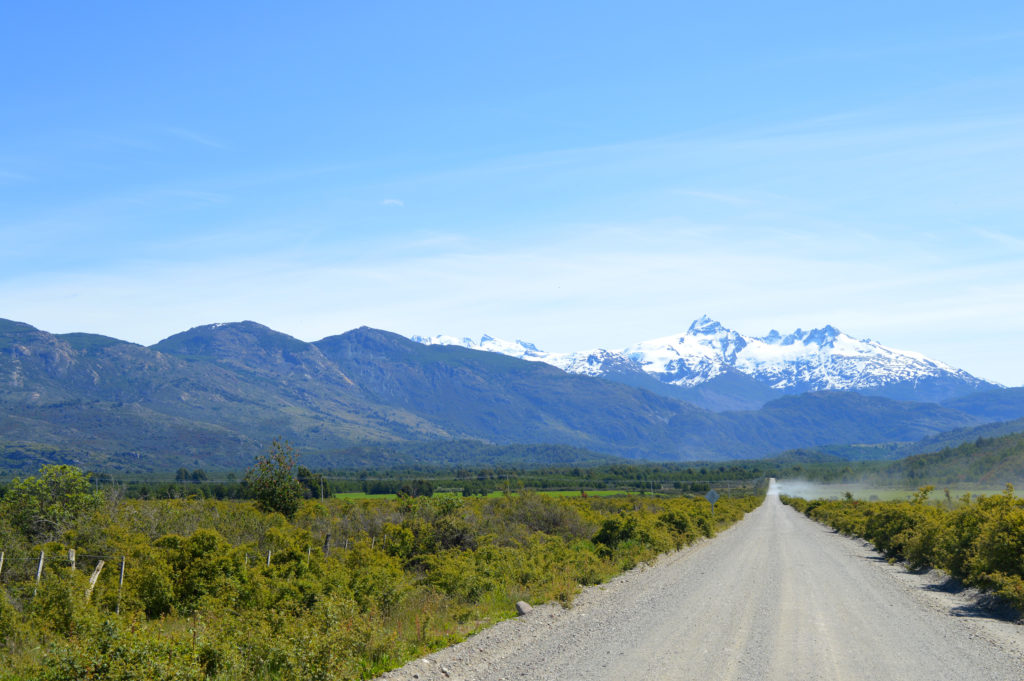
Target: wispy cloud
11 177
1015 243
906 48
196 196
196 137
713 196
394 203
433 241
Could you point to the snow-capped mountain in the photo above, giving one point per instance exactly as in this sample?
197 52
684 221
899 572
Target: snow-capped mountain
520 349
590 363
802 361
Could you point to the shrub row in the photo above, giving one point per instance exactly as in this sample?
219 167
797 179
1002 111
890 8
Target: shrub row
979 542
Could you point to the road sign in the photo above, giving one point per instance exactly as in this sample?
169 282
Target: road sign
712 496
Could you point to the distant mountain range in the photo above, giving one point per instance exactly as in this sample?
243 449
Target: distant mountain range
720 369
216 395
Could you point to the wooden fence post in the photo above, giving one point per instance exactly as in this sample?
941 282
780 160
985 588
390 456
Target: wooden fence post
71 557
120 583
92 580
1 562
268 557
39 574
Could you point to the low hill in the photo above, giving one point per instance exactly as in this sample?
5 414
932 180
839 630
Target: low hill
926 445
1005 404
986 461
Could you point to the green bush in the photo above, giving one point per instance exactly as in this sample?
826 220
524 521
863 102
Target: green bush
8 617
43 508
377 581
460 575
150 584
203 564
122 653
998 549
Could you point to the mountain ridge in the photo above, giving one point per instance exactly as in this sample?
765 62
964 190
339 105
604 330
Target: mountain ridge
216 395
776 364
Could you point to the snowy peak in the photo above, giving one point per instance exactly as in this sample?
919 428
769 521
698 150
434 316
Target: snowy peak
801 361
520 349
688 359
705 326
595 362
824 337
710 333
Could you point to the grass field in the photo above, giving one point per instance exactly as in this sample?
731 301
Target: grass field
549 493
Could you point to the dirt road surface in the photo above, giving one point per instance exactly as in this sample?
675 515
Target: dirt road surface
776 596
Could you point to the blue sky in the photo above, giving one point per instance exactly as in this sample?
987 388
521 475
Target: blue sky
579 175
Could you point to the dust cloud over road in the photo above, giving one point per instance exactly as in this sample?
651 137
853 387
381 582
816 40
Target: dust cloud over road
777 596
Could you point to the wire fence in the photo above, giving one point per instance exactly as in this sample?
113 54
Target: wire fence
35 568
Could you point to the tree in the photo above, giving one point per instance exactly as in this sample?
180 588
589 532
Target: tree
272 480
417 488
45 507
313 483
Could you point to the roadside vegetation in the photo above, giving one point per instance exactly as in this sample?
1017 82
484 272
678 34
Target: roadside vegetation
979 541
286 587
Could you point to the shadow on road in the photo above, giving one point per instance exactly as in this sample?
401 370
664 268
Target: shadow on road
987 606
979 605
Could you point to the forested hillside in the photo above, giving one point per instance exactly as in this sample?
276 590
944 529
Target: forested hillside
986 461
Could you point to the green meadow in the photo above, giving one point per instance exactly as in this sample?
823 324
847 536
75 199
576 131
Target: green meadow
355 496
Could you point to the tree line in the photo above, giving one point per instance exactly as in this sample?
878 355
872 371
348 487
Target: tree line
423 480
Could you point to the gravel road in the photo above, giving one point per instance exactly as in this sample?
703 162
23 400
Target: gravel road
777 596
